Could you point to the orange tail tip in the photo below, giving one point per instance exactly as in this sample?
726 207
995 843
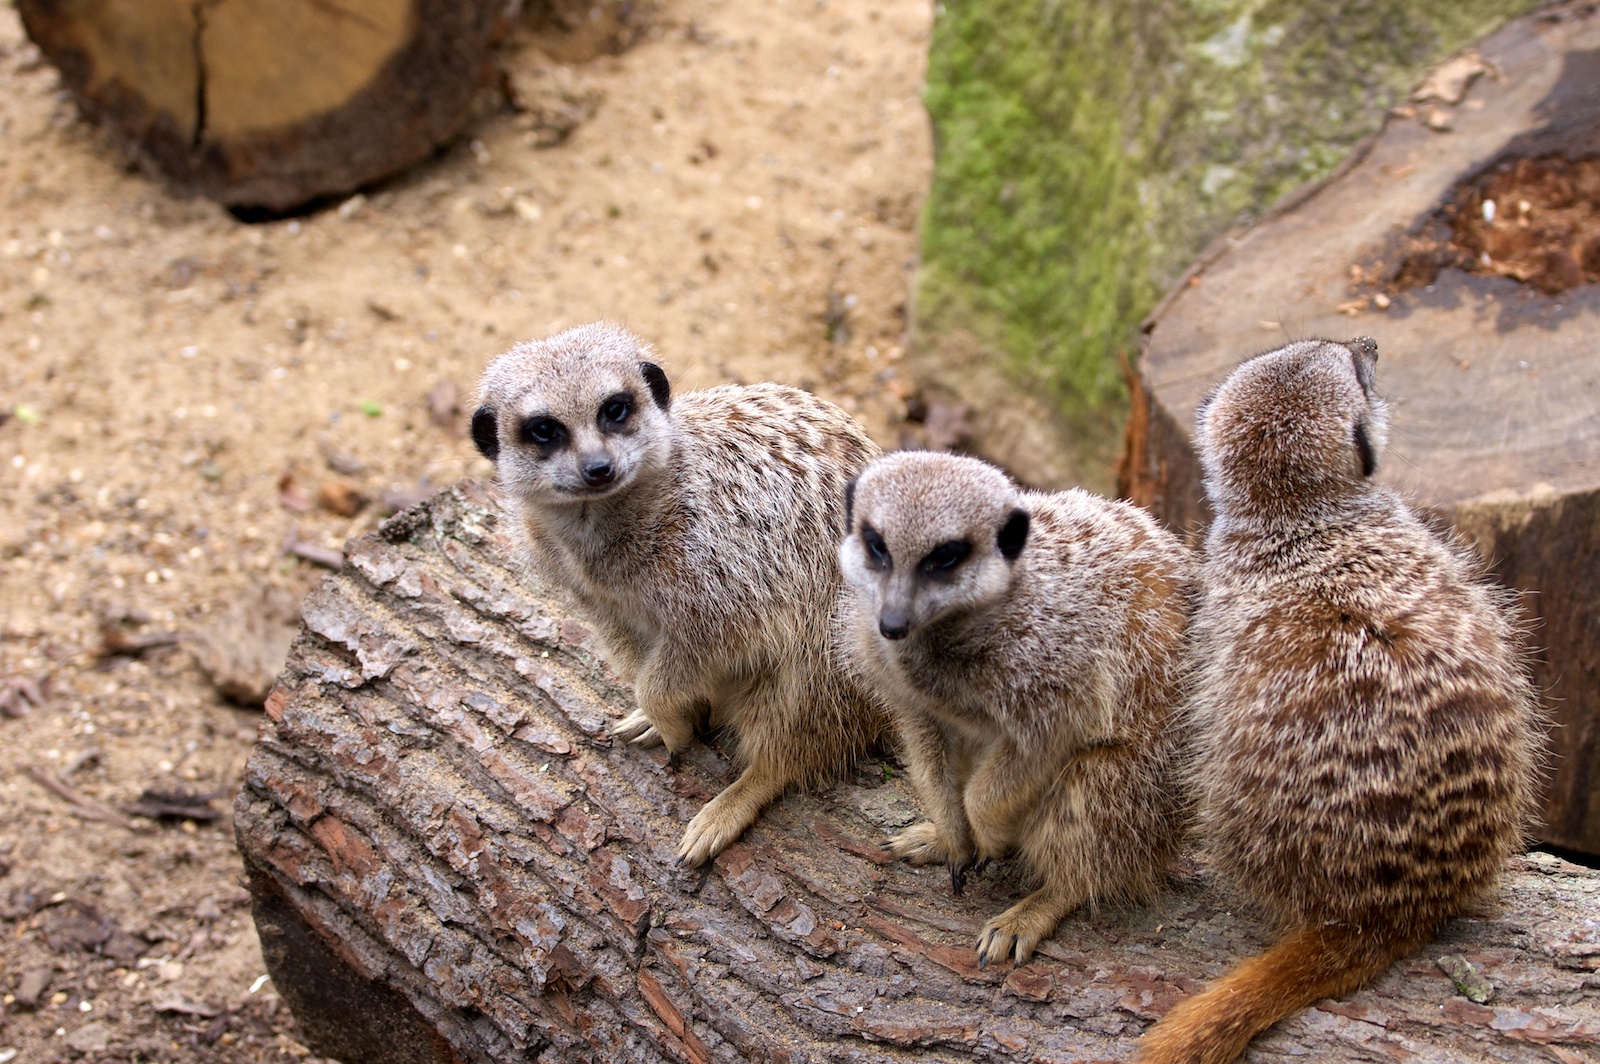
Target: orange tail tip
1305 966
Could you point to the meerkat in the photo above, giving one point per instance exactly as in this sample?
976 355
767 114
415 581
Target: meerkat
1366 732
696 532
1029 647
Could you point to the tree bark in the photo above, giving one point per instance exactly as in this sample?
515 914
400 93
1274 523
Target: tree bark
272 105
451 862
1492 385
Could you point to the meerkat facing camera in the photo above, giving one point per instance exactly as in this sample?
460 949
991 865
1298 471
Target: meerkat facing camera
1366 733
697 533
1029 646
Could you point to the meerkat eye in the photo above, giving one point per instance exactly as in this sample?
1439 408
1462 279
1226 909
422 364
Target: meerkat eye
945 557
877 549
616 410
543 431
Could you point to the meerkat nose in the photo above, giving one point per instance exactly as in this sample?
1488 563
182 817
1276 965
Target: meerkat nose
599 474
893 624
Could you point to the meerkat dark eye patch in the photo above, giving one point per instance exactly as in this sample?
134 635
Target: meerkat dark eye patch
1369 460
944 558
616 410
545 433
877 549
660 390
484 433
1013 534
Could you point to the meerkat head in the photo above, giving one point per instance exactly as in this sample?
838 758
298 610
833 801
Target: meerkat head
574 418
930 536
1293 429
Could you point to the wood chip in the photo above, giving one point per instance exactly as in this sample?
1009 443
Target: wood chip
115 640
1448 82
337 496
172 1001
175 805
18 694
243 650
296 547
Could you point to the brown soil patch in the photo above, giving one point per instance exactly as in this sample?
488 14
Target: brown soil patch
1534 220
197 409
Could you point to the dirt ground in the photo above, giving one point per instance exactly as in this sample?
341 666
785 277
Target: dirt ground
182 394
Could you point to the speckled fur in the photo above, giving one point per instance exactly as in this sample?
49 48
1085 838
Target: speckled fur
1034 696
706 566
1366 731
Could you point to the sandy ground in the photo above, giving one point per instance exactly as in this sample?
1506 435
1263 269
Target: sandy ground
181 392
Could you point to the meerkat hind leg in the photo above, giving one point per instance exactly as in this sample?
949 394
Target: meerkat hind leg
1015 933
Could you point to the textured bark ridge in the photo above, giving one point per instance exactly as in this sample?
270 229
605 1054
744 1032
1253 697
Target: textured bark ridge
272 105
1491 384
451 862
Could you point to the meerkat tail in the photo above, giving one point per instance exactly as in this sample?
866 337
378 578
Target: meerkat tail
1305 966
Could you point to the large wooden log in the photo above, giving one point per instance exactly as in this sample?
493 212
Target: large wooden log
1492 384
270 105
451 862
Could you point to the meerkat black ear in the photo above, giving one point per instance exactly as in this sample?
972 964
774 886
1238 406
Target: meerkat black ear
850 502
1364 356
1013 534
660 390
1369 460
484 433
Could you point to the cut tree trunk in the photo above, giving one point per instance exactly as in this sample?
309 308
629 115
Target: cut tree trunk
271 105
451 862
1492 385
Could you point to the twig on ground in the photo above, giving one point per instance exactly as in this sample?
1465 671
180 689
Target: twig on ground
86 805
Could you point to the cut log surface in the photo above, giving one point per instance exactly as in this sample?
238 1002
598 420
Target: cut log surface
451 862
271 105
1493 386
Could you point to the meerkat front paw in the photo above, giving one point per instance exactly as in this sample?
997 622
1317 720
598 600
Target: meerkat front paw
1017 932
636 728
713 828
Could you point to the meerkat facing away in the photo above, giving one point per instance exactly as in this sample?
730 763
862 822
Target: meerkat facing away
1029 647
1366 732
697 534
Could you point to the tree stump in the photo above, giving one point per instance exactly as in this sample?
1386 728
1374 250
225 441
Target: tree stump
1085 152
270 105
451 862
1492 385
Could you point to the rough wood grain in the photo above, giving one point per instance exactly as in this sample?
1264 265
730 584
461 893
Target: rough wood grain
272 105
450 861
1493 386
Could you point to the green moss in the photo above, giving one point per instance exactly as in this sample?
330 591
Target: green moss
1085 151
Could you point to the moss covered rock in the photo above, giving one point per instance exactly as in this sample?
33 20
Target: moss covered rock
1085 151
